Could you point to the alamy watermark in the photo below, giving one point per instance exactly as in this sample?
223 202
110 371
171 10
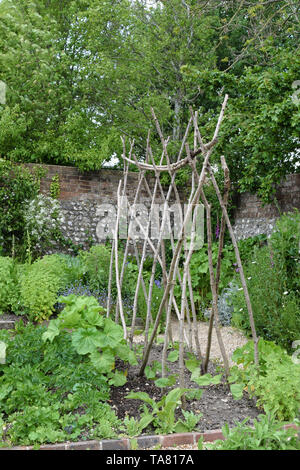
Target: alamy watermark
161 221
296 87
296 354
2 92
2 352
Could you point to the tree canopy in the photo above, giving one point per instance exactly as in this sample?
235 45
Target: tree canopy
79 74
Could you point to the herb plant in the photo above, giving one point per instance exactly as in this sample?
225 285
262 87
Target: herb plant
275 383
265 434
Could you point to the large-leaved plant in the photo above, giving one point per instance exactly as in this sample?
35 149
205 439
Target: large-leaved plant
93 334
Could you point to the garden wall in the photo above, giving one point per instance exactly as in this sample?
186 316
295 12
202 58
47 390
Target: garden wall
81 194
253 218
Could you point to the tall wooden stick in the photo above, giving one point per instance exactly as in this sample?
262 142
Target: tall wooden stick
213 284
117 266
220 249
239 263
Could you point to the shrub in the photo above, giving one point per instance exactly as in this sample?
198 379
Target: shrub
275 383
43 219
17 185
39 287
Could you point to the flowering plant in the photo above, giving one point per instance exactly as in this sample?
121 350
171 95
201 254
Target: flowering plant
43 219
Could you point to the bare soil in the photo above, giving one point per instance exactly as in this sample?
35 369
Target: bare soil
216 405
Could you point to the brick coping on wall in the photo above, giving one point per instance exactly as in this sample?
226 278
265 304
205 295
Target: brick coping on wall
142 442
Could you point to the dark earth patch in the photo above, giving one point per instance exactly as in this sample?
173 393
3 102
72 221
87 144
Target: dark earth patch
216 404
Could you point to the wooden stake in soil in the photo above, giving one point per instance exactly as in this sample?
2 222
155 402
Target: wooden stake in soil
239 263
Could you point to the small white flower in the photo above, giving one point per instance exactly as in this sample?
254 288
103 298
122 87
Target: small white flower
241 288
241 309
285 293
249 278
253 262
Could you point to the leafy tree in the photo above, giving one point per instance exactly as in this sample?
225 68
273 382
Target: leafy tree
46 118
79 74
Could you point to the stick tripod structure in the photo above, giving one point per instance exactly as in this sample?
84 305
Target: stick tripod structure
185 244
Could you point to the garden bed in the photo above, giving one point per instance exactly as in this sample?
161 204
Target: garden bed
216 405
47 377
52 395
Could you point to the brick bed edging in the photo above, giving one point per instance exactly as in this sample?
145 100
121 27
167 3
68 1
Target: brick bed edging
143 442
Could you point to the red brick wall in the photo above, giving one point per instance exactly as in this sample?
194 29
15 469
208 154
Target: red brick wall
287 196
91 184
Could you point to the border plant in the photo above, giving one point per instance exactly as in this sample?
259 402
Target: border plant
265 434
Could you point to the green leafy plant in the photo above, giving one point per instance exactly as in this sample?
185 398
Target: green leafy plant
39 285
74 268
134 427
49 393
273 283
96 262
275 383
93 334
153 369
189 423
265 434
162 412
194 366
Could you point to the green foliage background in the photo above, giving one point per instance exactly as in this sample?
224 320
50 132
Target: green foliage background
79 74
